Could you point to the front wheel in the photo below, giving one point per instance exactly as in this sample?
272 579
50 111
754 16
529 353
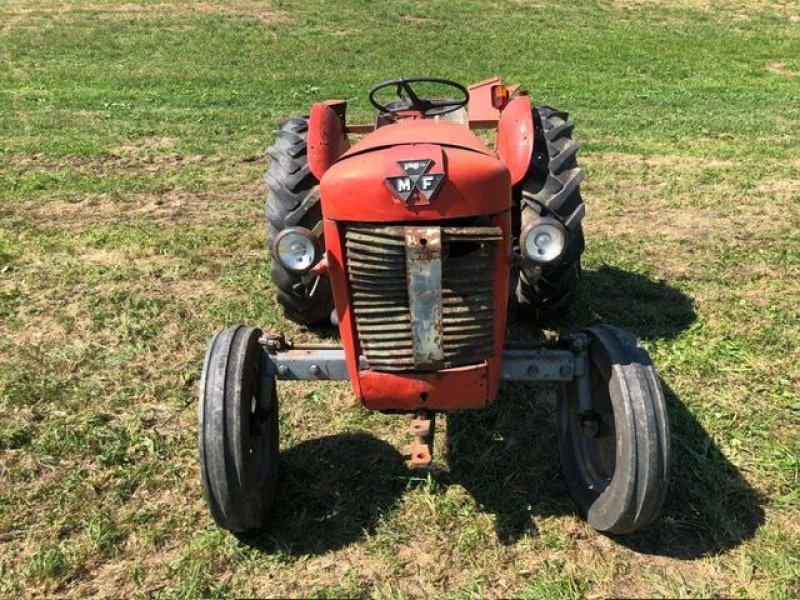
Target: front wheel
615 443
238 431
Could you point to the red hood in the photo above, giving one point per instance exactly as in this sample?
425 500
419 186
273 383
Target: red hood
420 131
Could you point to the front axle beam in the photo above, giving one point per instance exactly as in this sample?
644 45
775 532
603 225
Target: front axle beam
327 363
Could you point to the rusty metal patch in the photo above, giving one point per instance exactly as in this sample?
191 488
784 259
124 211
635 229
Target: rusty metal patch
422 431
424 276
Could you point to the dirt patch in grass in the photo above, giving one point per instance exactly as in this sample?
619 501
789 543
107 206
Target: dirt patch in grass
137 156
667 4
740 11
108 580
103 257
174 208
181 207
254 10
778 67
685 197
669 161
788 189
145 145
682 223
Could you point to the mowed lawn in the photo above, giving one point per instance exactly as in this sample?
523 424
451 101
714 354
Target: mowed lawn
132 140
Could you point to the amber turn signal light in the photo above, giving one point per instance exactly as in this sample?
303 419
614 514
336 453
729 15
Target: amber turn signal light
500 96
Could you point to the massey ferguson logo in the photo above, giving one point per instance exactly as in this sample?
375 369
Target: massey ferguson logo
417 186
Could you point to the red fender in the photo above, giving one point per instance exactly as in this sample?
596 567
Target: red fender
326 137
515 137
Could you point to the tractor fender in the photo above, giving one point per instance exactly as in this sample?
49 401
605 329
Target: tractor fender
327 140
515 137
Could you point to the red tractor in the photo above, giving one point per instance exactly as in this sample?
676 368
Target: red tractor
414 241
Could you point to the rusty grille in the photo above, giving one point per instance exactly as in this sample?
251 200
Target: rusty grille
376 266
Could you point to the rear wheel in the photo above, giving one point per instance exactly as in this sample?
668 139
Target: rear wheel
552 188
292 200
238 431
615 447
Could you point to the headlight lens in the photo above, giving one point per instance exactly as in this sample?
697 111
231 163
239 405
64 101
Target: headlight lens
544 240
296 249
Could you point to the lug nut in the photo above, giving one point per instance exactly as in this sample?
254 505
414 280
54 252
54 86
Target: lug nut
533 370
314 370
565 370
283 370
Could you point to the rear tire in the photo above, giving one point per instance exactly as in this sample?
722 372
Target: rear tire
552 188
293 200
238 431
615 457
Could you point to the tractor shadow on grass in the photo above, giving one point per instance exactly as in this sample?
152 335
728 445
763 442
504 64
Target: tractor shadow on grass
507 456
332 490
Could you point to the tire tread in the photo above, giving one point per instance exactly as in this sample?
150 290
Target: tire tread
293 200
552 188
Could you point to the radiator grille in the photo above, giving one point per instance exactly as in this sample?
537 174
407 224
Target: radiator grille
376 266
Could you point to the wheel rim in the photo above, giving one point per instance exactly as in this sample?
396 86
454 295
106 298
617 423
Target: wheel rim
594 437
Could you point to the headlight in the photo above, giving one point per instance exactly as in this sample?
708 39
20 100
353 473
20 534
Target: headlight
544 240
296 249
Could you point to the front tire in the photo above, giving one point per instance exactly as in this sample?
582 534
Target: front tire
238 431
551 188
615 456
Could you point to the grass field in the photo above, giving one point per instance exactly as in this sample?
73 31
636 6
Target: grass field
132 142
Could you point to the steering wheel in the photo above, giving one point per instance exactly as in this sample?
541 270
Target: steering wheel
409 100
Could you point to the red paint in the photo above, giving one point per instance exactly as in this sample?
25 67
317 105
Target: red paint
320 268
484 109
515 137
335 251
452 389
502 275
354 189
464 387
480 107
420 131
326 138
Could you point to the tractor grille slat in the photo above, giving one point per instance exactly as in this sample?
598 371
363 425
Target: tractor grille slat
376 267
473 234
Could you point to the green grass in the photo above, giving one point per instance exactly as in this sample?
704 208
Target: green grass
131 150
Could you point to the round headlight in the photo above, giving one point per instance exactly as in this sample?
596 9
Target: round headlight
544 240
296 249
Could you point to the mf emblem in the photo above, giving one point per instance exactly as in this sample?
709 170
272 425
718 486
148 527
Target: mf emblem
417 186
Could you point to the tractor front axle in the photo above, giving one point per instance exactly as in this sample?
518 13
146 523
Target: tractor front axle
321 362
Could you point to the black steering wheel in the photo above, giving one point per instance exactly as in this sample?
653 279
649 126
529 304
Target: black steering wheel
409 100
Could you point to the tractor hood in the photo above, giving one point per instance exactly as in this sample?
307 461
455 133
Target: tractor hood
416 170
420 131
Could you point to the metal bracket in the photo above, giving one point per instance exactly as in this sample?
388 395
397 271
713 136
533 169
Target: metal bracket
422 430
580 346
538 364
327 362
308 363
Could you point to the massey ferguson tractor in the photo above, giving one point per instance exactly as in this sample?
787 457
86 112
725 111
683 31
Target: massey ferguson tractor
415 238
